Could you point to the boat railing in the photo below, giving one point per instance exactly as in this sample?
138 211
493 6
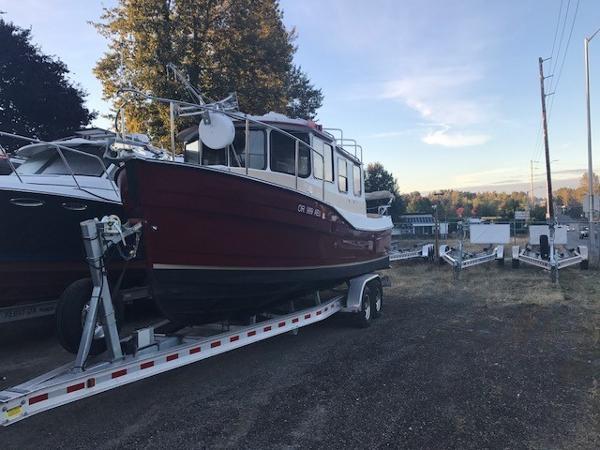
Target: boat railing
343 142
187 109
59 149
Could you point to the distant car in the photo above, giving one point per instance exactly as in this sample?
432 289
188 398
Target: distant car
583 234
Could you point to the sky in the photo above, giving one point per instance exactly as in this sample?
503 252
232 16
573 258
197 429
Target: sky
445 94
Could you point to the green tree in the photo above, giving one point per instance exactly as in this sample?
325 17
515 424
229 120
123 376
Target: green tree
36 98
379 179
222 46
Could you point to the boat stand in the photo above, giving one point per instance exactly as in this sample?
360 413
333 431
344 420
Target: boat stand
460 260
546 256
150 351
424 252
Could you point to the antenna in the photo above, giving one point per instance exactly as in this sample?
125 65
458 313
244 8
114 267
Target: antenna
186 83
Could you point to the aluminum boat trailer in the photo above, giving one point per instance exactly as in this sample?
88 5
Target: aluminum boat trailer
542 251
460 259
424 251
157 349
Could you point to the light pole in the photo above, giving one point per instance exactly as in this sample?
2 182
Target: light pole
586 45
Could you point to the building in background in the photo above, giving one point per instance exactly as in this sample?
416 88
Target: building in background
419 225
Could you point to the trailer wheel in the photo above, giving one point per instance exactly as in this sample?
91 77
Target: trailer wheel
376 296
362 319
584 265
70 316
515 263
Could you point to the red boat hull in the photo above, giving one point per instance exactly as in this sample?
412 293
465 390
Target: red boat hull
220 245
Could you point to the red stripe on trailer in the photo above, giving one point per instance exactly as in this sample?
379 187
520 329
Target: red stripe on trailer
319 312
146 364
295 320
281 324
267 328
234 338
172 357
91 382
38 398
215 344
307 316
118 373
75 387
252 333
194 350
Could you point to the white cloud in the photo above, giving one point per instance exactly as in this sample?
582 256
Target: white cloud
449 139
441 96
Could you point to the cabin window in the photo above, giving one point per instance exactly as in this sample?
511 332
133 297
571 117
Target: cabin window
192 152
327 152
257 153
356 181
342 175
49 162
283 150
213 157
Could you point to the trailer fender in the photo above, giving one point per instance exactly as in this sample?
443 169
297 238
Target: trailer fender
356 289
515 256
500 252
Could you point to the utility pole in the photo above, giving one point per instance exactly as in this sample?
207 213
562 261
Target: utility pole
591 231
550 201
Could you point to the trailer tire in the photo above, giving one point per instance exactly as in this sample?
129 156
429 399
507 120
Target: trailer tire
584 265
515 263
376 297
362 319
70 316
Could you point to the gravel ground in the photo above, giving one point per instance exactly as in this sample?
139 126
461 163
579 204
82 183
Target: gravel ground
499 359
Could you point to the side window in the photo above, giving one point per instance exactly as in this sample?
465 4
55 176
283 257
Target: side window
213 157
356 181
192 152
257 153
342 175
327 151
283 151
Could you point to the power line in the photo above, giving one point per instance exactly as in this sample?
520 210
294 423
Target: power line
538 142
560 41
562 64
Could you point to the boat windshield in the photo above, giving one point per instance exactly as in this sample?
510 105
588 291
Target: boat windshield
47 161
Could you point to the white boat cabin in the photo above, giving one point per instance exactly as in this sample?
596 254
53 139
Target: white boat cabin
336 177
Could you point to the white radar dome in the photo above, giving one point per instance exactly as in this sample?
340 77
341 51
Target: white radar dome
219 133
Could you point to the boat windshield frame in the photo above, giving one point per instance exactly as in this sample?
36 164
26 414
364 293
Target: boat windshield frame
60 150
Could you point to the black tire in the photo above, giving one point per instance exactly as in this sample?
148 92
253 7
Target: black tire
376 297
69 312
515 263
362 319
500 262
544 247
584 265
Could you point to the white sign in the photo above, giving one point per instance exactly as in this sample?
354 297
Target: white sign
489 233
535 231
522 215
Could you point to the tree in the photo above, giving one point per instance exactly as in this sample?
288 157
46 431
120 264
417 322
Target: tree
302 97
221 46
36 98
379 179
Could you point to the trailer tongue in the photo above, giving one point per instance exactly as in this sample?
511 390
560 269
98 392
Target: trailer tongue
150 351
